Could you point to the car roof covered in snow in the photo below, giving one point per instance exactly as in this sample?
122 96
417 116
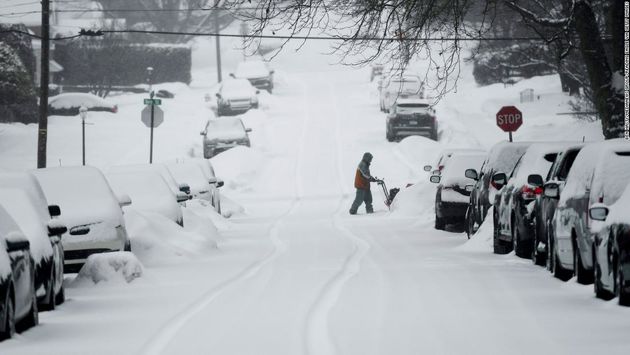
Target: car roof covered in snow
9 230
251 69
538 159
601 167
28 207
454 171
503 156
225 128
83 194
148 191
161 169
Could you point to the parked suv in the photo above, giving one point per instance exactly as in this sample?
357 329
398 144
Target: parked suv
514 222
222 134
599 175
399 86
235 96
453 191
501 158
545 207
409 117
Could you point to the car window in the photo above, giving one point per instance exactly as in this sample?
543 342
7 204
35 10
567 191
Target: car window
555 166
515 170
566 164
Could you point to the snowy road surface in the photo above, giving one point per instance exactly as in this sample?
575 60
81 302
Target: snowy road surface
297 275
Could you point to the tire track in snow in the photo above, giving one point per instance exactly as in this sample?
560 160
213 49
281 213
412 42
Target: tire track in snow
318 337
158 343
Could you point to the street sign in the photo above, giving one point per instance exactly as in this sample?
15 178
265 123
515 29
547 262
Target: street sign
153 101
509 118
158 116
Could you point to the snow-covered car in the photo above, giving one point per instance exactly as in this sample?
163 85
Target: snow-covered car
180 189
400 87
446 154
222 134
18 303
411 117
202 185
236 96
599 174
501 158
257 73
23 198
545 207
91 212
513 218
69 104
148 191
453 190
612 249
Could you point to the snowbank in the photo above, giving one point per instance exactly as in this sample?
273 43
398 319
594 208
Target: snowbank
204 209
156 239
239 166
416 200
483 239
416 152
118 267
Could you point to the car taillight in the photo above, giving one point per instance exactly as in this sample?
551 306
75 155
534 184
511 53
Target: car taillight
115 109
440 167
529 193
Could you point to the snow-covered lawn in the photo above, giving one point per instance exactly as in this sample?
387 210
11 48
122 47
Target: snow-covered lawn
292 272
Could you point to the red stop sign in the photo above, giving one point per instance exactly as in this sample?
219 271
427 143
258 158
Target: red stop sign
509 118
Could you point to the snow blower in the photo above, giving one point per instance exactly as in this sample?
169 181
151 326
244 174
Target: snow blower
389 194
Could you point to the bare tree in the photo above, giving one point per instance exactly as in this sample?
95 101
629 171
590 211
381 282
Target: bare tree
434 30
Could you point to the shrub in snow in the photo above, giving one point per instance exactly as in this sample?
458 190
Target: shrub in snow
116 266
18 102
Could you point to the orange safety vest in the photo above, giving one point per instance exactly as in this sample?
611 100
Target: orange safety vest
360 182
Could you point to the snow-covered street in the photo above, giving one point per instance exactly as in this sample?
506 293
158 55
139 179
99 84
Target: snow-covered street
296 274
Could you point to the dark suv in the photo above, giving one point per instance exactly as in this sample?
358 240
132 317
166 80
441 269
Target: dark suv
411 117
501 158
545 207
599 175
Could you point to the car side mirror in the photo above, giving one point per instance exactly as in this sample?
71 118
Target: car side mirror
535 180
184 188
248 130
54 211
124 200
232 75
435 179
56 229
436 172
79 230
17 245
427 168
212 180
181 197
469 187
598 212
220 183
217 95
499 180
202 133
551 190
471 174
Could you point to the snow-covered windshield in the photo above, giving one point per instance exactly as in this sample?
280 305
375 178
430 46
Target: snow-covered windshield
237 87
251 69
225 129
405 86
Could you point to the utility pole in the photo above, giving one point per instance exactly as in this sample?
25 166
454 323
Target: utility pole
216 30
42 134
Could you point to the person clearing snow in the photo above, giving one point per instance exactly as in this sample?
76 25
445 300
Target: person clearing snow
362 180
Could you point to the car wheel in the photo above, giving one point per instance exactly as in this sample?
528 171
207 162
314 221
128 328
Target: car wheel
389 135
549 259
538 258
520 248
9 319
499 246
218 206
600 292
49 301
582 275
559 271
61 296
439 223
32 319
620 288
469 223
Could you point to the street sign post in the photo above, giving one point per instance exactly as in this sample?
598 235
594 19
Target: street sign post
152 116
509 119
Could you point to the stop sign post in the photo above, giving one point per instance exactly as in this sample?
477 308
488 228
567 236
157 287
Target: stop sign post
509 119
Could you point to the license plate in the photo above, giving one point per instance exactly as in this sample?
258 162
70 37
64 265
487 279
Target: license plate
413 122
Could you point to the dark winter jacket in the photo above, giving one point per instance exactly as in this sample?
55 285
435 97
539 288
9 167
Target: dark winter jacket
363 177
